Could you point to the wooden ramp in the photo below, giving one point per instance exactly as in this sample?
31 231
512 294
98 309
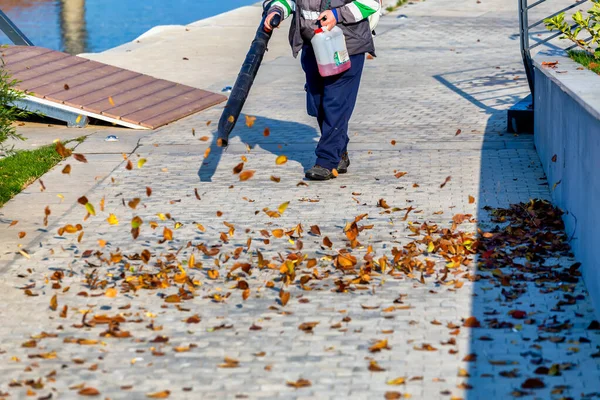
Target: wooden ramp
58 81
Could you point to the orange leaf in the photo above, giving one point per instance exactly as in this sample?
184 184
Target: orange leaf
244 176
54 303
111 292
213 274
67 169
207 152
250 121
471 199
266 132
284 297
281 160
159 395
88 391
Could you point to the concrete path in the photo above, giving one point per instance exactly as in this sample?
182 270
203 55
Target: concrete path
432 105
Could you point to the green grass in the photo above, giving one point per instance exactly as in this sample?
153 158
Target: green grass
399 4
21 169
586 59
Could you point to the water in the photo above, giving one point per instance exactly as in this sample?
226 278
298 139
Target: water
78 26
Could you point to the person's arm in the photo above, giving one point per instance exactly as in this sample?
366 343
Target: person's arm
357 11
284 8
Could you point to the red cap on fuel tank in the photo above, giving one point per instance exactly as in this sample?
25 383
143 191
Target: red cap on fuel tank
318 30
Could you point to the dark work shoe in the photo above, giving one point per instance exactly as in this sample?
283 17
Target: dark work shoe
344 164
318 173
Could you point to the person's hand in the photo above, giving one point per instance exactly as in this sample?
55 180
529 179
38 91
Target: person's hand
327 19
268 20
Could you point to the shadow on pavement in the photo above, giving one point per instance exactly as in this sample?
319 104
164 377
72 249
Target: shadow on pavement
531 311
299 143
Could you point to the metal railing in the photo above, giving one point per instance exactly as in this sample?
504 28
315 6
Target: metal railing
12 31
525 28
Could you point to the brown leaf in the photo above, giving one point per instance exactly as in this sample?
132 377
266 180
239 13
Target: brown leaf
238 168
458 132
284 297
470 357
549 63
134 203
266 132
129 165
327 242
472 322
533 383
392 395
315 230
67 169
471 199
554 158
275 179
448 179
307 326
159 395
300 383
246 294
22 235
13 223
62 150
374 367
194 319
89 391
54 303
148 191
196 193
400 174
80 158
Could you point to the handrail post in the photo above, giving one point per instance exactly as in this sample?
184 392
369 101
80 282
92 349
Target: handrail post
525 51
13 32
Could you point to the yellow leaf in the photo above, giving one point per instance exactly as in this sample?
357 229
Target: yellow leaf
250 121
201 228
112 219
283 207
162 216
192 261
141 162
78 119
430 247
61 197
111 292
54 303
111 101
397 381
281 160
90 208
159 395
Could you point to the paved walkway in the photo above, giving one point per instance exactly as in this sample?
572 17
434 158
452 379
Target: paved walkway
448 66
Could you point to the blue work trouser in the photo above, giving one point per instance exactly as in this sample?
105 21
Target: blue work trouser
331 100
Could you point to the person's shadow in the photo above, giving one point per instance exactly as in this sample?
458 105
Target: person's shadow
294 140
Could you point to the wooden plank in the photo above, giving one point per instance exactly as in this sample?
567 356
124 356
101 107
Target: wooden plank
163 107
129 96
58 72
181 112
148 101
24 53
103 93
47 89
89 86
39 61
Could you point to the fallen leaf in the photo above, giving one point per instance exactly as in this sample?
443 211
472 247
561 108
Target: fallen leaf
54 303
266 132
397 381
282 207
374 367
300 383
471 199
533 383
66 169
554 158
111 292
80 158
458 132
248 174
472 322
250 121
238 168
88 391
281 160
380 345
159 395
448 178
141 162
400 174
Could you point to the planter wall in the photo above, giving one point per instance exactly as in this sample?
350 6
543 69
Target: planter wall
567 129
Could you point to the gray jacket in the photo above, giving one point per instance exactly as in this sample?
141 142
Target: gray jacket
359 38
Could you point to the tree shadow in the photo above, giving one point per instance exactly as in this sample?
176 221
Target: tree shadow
294 140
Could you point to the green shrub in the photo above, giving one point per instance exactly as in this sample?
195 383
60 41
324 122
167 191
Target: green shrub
8 112
589 24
